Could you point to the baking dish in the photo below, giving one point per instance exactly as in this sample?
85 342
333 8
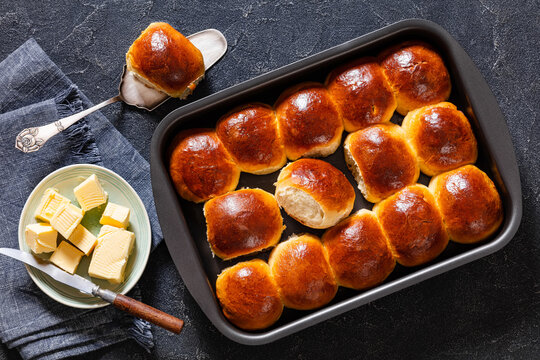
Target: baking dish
183 223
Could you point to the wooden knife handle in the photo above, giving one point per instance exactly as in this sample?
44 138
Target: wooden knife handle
148 313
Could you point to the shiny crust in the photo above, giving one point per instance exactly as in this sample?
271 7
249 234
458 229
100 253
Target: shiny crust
251 136
309 121
362 94
242 222
413 225
442 137
248 295
358 251
164 59
327 185
469 202
301 271
200 167
384 158
417 74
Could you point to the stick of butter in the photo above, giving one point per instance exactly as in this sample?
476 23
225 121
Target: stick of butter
50 202
67 257
83 239
90 194
111 256
66 219
115 215
41 238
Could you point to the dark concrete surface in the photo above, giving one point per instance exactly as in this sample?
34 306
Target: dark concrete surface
488 309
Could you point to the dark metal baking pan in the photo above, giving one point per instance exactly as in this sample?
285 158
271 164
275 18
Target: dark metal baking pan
183 223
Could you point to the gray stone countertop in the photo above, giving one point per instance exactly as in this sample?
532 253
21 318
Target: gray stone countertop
488 309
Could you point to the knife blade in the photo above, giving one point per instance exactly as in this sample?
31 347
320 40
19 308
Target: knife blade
75 281
120 301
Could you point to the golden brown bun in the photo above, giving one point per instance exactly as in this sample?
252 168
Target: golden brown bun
164 59
315 193
248 295
381 160
301 271
358 252
442 137
309 121
413 225
242 222
362 94
251 136
200 167
470 204
417 74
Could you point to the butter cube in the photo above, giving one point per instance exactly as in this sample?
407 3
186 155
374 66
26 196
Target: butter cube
67 257
50 202
90 194
41 238
83 239
115 215
111 256
105 229
66 219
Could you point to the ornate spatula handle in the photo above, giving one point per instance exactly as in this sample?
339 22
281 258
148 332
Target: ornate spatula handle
32 139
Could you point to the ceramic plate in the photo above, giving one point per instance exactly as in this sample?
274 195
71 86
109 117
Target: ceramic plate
120 192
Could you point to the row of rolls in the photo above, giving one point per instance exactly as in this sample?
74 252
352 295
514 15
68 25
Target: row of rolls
411 227
410 223
307 120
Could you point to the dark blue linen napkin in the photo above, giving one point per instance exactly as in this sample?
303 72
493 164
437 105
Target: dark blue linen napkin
34 92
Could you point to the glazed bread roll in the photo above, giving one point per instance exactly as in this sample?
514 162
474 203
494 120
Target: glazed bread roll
301 271
309 121
314 193
164 59
442 137
248 295
381 160
242 222
358 252
470 204
200 167
250 134
417 74
362 94
413 225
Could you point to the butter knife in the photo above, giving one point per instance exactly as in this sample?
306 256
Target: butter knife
122 302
